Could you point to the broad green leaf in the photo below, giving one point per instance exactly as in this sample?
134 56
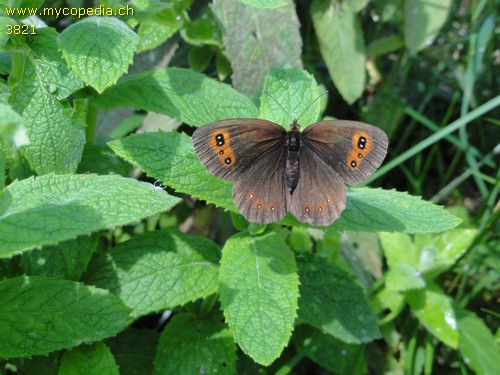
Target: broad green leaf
134 350
403 277
294 93
157 270
384 45
158 27
49 209
39 365
55 129
435 311
326 293
39 315
258 293
20 9
100 159
98 49
442 251
202 32
477 345
342 46
331 353
256 40
193 345
68 260
95 359
266 4
423 21
180 93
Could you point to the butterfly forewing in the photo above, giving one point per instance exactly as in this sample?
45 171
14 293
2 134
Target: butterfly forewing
353 149
319 197
228 147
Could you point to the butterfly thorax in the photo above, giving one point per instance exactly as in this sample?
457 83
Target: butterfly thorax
292 144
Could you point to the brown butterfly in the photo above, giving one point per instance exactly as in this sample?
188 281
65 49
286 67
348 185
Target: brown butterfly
303 173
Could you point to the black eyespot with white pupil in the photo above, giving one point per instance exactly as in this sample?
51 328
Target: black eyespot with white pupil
227 161
361 143
353 164
219 138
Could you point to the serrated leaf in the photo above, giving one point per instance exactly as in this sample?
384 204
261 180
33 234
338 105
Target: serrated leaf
380 210
477 345
53 208
192 345
342 46
180 93
39 315
254 48
423 21
326 293
95 359
157 270
55 129
294 96
112 45
258 293
435 311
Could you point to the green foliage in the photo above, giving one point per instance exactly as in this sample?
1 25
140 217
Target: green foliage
104 270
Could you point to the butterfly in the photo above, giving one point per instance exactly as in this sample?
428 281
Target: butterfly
277 171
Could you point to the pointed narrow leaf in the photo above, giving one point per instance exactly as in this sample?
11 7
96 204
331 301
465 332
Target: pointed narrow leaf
258 293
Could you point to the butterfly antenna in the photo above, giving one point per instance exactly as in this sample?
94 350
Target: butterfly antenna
277 102
310 104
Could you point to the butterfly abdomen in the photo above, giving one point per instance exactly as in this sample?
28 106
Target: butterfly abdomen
292 170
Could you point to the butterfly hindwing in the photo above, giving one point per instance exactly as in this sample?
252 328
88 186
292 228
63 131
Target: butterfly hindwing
353 149
229 147
260 193
319 197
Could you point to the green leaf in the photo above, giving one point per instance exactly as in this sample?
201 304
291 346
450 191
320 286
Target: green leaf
111 44
258 293
55 129
102 160
435 311
392 211
68 259
477 345
342 46
389 304
95 359
23 8
294 93
180 93
326 293
134 350
423 20
256 40
265 4
158 27
202 31
403 277
399 249
39 315
54 208
192 345
157 270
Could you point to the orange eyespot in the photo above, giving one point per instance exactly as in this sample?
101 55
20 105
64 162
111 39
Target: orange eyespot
361 146
220 143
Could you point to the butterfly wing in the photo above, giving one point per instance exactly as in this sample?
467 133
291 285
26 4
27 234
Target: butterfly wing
319 197
260 193
228 148
353 149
